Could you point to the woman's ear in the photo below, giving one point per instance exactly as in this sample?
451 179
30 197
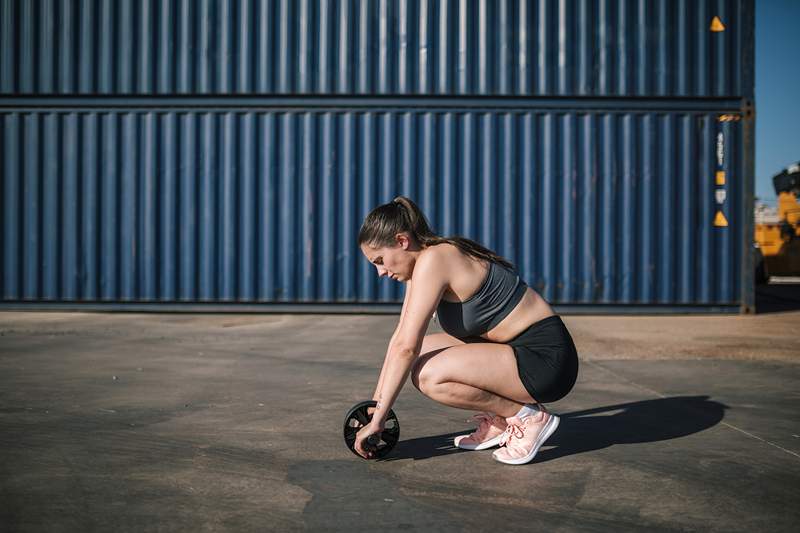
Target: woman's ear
402 240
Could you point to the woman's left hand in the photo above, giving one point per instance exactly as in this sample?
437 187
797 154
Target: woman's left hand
361 446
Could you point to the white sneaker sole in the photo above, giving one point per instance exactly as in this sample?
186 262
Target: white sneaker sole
477 447
548 430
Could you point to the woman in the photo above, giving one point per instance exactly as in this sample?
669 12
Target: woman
504 352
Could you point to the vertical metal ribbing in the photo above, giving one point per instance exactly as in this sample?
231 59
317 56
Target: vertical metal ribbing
463 69
543 44
31 207
124 61
108 205
627 228
609 210
147 248
307 205
487 230
682 62
647 212
566 207
328 203
367 199
564 49
203 56
244 47
13 186
343 60
403 44
548 227
267 208
443 68
325 46
167 205
622 77
144 54
50 214
348 206
129 208
448 204
89 162
364 84
483 79
663 48
426 143
605 36
701 21
247 216
530 197
67 40
725 251
385 22
524 32
224 56
189 206
585 44
502 69
304 33
27 49
207 217
265 61
720 45
165 64
286 234
667 208
106 47
185 54
228 205
687 155
642 48
587 194
46 47
703 173
508 179
425 57
88 57
8 45
469 172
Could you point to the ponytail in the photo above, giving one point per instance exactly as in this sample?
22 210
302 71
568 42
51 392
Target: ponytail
402 215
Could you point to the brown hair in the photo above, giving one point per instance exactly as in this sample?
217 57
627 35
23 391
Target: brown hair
401 214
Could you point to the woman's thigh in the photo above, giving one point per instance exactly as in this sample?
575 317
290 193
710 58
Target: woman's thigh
488 366
437 341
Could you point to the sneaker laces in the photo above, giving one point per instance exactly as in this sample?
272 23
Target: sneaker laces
484 420
512 431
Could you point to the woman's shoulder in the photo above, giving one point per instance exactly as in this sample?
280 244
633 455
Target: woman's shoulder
451 258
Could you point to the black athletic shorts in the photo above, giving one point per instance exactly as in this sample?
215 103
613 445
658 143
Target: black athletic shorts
547 361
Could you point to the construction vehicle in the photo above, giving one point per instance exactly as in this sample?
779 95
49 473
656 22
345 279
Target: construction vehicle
777 237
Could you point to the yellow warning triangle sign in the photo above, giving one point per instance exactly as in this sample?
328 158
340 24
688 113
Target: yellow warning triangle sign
717 25
720 221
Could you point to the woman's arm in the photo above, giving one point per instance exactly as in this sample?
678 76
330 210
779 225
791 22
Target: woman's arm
377 395
430 281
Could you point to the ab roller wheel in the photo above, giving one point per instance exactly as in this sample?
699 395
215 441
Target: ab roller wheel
380 444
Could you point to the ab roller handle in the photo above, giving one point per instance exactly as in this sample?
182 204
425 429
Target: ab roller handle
380 443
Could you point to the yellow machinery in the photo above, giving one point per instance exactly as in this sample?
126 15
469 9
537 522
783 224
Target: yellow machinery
778 241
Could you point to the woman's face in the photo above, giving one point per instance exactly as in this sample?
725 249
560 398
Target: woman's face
395 262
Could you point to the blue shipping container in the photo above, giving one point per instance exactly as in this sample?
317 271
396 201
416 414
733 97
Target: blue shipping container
221 155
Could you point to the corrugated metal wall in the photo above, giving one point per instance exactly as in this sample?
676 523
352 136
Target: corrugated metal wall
445 47
161 186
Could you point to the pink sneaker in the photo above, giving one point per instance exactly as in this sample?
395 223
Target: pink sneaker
523 437
490 430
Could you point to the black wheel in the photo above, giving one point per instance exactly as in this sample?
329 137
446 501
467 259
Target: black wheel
358 417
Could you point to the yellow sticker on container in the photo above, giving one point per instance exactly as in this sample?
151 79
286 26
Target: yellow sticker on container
720 177
720 221
717 25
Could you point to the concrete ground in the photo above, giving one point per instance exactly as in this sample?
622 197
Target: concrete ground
143 422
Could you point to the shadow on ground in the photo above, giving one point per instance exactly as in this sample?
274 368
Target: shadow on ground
598 428
777 297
